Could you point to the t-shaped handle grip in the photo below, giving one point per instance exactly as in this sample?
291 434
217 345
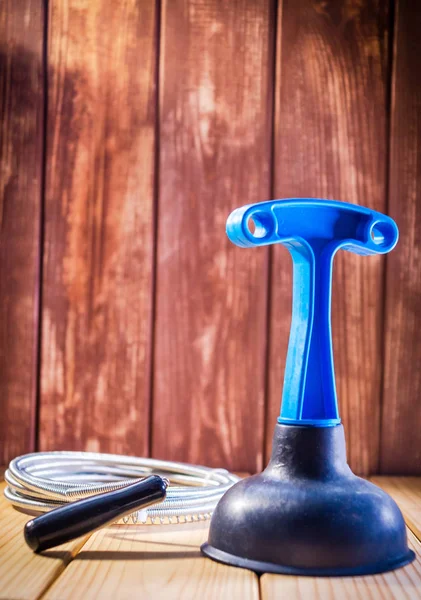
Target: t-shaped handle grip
313 230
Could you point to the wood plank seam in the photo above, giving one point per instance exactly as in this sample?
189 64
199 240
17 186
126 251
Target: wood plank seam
41 233
155 221
275 70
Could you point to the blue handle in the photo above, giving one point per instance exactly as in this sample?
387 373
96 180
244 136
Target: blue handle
313 230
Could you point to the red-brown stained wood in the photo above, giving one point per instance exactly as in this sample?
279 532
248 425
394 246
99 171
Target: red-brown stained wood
21 135
99 225
401 431
215 128
330 140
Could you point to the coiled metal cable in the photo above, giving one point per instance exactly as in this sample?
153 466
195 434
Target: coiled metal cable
42 481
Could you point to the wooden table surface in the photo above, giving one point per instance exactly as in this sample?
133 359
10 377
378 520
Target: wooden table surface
136 561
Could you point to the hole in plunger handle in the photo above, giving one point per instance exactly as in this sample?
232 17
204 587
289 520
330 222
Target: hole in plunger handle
84 516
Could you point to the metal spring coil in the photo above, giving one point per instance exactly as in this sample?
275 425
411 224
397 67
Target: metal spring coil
42 481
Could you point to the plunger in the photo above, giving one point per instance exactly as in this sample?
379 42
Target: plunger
307 513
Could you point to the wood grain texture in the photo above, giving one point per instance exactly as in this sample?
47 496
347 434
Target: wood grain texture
151 562
401 432
215 122
406 491
21 146
99 226
395 585
23 574
330 139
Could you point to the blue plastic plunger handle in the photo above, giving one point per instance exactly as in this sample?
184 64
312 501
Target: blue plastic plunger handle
313 230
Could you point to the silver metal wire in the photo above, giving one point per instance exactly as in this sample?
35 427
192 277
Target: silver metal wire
42 481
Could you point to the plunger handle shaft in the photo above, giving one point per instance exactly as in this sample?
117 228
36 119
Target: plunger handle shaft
313 231
309 393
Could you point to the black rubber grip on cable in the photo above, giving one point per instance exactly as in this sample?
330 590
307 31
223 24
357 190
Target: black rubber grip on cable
83 516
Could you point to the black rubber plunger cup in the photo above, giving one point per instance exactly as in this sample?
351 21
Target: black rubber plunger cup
307 513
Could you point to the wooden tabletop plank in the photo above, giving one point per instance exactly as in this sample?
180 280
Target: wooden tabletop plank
407 493
23 574
151 562
156 561
399 584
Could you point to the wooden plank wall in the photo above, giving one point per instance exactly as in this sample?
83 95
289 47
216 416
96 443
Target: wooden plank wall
21 178
157 335
401 433
215 127
97 286
330 138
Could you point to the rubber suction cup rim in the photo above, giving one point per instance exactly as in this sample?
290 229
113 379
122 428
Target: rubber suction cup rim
266 567
308 514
